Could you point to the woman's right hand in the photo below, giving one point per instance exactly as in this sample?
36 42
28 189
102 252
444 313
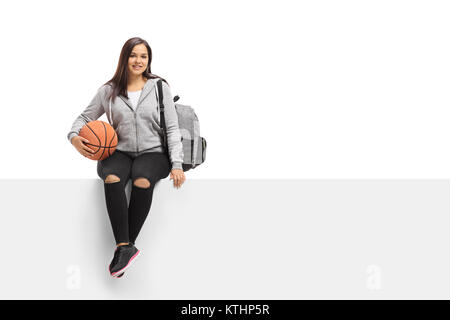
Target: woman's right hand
78 143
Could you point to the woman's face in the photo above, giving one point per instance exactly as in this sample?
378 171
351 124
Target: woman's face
138 60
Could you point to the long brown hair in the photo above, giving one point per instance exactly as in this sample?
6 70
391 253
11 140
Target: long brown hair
119 81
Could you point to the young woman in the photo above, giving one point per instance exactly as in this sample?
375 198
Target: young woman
130 100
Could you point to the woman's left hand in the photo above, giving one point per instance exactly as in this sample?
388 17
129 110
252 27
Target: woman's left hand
178 177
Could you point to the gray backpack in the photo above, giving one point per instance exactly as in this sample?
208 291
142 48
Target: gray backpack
194 146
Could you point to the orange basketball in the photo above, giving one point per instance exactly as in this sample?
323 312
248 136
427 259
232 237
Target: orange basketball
102 138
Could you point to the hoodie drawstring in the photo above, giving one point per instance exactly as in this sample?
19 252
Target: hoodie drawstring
110 113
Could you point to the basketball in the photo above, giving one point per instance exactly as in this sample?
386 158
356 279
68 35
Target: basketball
102 138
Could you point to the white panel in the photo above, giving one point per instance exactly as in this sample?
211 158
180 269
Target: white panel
231 239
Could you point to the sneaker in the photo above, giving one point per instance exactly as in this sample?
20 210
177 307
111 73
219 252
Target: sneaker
115 259
123 257
121 274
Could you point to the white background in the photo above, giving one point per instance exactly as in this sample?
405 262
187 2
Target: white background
283 89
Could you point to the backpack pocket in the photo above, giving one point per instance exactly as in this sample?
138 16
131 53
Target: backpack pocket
203 149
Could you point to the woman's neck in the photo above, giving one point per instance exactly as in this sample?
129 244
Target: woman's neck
136 83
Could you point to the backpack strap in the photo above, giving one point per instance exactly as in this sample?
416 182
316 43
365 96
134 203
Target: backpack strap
161 112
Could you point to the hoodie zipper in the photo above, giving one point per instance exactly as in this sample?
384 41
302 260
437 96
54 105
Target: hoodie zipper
137 140
135 117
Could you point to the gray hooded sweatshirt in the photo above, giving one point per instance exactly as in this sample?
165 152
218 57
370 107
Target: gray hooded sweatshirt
138 130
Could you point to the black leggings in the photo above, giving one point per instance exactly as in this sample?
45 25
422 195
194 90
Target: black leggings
127 221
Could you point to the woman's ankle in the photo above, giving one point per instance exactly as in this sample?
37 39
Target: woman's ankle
122 244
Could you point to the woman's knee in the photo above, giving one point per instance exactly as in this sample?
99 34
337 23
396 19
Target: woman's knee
111 178
142 183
